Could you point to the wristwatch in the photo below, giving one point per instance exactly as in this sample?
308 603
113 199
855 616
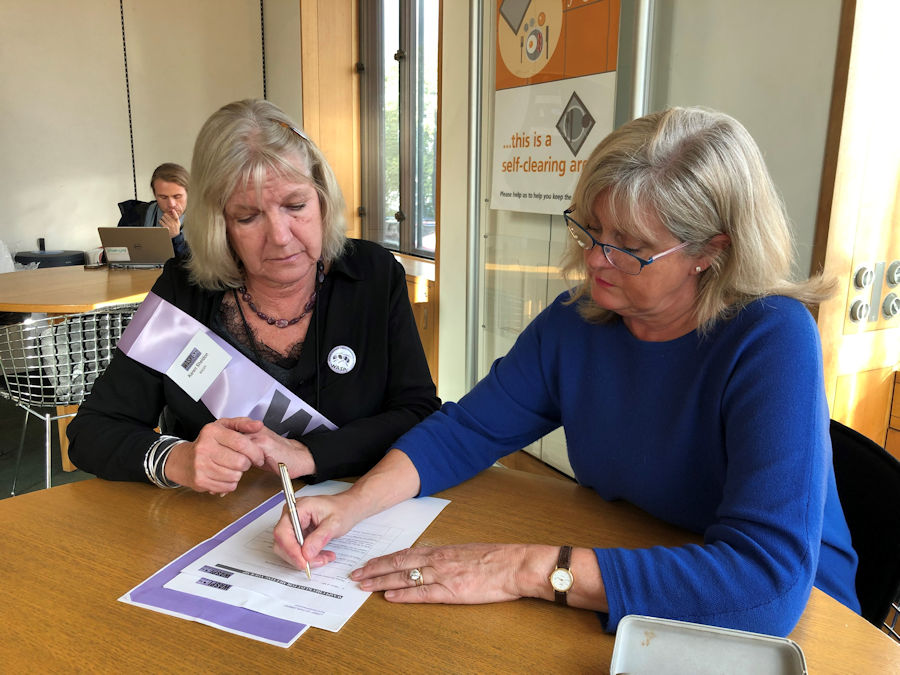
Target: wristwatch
561 578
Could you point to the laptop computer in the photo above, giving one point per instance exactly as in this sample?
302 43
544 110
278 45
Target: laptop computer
136 247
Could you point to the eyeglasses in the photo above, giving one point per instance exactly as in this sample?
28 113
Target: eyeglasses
622 260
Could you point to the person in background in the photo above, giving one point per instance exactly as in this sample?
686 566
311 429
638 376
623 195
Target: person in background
272 272
687 375
169 183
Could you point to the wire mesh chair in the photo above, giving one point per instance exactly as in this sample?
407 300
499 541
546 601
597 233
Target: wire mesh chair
53 361
889 625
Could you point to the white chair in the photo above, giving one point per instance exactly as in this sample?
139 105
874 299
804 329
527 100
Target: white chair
53 361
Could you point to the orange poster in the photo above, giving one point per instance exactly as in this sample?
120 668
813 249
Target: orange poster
555 96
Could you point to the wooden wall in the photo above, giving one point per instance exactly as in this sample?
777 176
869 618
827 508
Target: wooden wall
330 48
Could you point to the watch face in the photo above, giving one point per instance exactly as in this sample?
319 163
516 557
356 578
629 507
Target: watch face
561 580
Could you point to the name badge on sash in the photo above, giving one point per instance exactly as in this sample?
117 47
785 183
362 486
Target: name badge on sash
198 365
211 370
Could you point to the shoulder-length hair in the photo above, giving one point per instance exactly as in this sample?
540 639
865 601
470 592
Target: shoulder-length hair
238 146
701 174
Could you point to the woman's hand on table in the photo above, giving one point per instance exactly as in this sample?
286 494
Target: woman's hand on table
217 459
467 574
471 574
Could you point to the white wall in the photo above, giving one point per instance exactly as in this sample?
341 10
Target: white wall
185 60
284 87
770 64
66 159
64 126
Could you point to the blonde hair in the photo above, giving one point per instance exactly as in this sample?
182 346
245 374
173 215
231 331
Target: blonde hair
238 146
701 174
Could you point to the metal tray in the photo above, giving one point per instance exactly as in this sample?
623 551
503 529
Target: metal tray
647 645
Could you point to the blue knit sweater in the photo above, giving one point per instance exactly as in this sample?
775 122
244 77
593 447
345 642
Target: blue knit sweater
725 435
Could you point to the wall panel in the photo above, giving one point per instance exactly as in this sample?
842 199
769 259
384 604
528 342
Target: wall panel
64 127
186 60
63 121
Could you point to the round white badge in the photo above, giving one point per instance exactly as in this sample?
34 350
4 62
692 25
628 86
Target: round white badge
341 359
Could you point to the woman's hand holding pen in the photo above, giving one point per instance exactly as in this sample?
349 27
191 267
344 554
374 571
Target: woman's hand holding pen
322 519
217 459
460 575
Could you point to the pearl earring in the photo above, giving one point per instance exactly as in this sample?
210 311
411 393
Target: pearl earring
698 269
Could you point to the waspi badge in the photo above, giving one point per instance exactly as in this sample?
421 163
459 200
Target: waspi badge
341 359
198 364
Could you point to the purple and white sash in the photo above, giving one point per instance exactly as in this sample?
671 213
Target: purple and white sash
160 333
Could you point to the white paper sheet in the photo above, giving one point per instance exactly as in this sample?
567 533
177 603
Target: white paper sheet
243 570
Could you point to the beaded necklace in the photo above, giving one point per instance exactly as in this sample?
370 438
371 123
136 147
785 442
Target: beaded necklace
307 308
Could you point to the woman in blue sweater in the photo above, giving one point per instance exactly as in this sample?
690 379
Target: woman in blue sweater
687 375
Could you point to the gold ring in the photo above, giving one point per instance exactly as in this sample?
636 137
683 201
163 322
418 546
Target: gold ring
416 575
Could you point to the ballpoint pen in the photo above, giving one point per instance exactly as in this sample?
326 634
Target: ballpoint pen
292 507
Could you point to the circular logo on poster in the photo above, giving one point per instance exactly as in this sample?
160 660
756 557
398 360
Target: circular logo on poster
528 34
341 359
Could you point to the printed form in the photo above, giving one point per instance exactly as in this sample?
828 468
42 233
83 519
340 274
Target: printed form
243 571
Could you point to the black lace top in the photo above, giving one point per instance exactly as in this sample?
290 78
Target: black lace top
237 328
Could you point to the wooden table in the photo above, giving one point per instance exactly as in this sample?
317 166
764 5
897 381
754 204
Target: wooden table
69 290
64 290
71 551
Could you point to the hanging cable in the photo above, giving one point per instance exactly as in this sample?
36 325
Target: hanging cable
262 32
128 97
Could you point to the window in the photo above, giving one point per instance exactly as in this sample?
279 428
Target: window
398 89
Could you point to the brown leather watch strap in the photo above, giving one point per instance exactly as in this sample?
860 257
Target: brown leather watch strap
563 562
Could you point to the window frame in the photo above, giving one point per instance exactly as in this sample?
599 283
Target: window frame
372 142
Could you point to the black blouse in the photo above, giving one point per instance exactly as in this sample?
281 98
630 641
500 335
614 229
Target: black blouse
363 304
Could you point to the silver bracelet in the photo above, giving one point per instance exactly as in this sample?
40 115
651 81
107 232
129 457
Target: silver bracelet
155 461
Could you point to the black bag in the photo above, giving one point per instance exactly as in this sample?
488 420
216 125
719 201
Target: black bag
133 213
